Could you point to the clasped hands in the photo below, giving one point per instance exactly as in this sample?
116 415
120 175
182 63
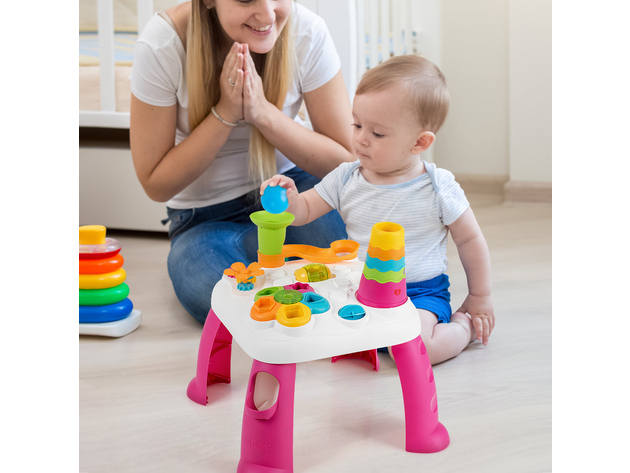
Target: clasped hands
242 94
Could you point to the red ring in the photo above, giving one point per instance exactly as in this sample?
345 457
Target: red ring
107 254
100 266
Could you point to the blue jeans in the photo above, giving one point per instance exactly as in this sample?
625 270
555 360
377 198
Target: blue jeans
207 240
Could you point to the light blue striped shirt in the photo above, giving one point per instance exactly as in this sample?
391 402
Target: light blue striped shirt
423 206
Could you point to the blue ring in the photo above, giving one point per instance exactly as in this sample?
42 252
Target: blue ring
352 312
96 314
318 304
384 266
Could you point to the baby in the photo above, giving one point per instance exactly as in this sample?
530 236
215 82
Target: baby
398 107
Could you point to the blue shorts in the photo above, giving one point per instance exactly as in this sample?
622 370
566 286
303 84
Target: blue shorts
432 295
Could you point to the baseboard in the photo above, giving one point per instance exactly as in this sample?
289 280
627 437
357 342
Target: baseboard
482 184
510 190
528 191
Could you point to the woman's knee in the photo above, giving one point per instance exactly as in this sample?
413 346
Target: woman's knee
196 263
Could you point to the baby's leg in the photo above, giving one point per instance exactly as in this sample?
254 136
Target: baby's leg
445 341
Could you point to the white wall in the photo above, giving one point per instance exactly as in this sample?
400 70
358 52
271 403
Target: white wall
530 90
474 138
496 55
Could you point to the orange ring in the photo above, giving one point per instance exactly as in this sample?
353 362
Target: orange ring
385 255
264 309
100 266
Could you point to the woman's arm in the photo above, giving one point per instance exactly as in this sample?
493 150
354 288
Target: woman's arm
317 152
162 168
165 169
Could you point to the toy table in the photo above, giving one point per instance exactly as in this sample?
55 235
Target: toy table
267 435
325 305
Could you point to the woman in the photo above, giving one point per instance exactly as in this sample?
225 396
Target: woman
216 86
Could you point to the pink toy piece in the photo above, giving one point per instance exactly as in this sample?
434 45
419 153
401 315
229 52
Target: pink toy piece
382 295
424 433
369 355
213 361
299 286
267 435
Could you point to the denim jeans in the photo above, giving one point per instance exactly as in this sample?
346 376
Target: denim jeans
207 240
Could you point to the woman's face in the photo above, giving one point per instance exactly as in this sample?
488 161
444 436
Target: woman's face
255 22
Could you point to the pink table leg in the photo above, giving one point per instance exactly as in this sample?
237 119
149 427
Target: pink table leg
267 435
213 361
424 433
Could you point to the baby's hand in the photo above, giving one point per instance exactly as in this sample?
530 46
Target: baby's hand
481 311
282 181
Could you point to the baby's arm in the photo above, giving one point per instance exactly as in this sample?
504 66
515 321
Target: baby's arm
306 206
475 257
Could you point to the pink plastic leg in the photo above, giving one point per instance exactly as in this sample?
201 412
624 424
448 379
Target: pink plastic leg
424 433
213 361
369 355
267 436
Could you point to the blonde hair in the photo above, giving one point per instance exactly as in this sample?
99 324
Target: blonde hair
204 62
425 83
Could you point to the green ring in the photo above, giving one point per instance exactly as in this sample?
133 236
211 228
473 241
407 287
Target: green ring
268 291
111 295
288 297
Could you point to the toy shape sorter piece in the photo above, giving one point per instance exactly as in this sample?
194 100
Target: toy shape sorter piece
282 321
104 306
245 275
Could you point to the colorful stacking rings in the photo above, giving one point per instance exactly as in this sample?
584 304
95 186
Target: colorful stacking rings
102 288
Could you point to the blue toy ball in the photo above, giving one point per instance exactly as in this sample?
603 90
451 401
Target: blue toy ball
274 200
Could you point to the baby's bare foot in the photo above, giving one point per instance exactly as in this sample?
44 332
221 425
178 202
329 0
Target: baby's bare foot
463 320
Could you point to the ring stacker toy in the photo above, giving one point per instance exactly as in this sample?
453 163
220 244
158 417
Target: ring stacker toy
104 308
326 305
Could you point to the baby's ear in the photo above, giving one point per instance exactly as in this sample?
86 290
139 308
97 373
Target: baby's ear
424 142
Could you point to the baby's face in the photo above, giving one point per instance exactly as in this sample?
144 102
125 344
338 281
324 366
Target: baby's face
385 130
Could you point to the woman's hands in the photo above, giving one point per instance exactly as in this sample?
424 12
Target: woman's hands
230 106
242 93
255 104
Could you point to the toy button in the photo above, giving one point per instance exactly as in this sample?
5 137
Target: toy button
352 312
287 297
299 286
264 309
294 315
268 291
318 304
313 272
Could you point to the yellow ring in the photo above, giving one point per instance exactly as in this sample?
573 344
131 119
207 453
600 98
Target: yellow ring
294 315
102 281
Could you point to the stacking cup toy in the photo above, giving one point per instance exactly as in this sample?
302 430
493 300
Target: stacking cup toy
383 282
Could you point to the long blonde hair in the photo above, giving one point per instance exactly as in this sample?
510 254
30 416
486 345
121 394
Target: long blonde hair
204 62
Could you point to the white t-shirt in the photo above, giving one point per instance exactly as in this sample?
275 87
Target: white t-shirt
158 78
423 206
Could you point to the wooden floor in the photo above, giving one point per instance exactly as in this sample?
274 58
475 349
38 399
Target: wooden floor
495 400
